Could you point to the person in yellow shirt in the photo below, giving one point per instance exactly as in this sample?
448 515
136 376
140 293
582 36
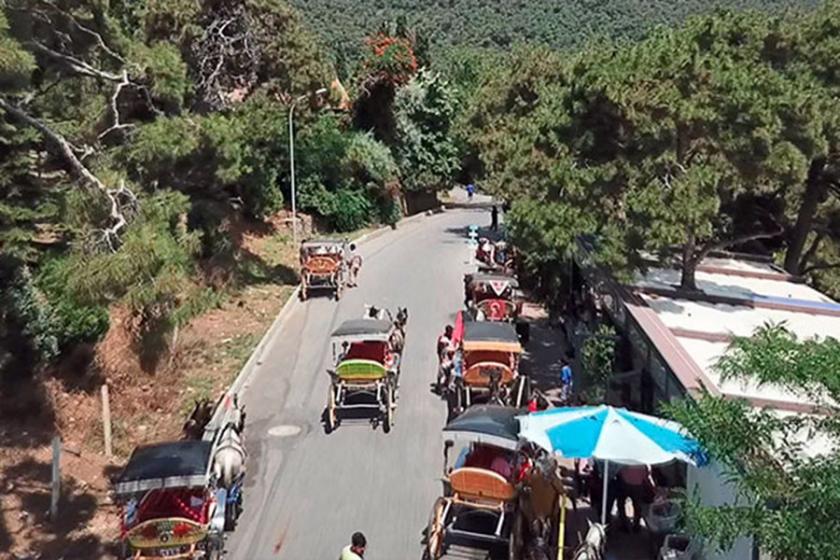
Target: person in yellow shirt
356 549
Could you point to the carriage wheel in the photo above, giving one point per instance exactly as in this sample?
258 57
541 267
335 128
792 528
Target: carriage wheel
390 407
332 414
434 531
516 539
215 548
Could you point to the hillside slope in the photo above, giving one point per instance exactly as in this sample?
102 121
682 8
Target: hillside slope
502 23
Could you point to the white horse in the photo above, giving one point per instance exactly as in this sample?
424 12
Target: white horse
229 456
594 544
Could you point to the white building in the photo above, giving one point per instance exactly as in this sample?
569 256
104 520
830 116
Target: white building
678 337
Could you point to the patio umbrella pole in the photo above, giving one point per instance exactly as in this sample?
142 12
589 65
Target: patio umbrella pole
604 493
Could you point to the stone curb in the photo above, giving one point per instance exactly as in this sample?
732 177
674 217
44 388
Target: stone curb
255 359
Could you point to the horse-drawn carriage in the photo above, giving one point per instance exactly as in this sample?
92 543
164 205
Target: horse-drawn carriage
479 502
323 266
173 505
179 498
497 493
491 296
488 360
366 354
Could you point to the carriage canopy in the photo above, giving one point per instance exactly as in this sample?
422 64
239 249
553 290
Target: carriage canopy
361 330
482 277
487 424
490 336
328 245
179 464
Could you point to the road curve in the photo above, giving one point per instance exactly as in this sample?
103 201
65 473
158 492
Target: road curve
307 492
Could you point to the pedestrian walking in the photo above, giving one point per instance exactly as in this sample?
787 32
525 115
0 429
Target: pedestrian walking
356 549
494 218
470 191
444 342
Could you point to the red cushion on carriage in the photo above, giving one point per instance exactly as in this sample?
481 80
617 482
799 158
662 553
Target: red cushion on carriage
374 351
193 504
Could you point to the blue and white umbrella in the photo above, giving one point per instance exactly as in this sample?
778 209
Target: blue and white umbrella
610 434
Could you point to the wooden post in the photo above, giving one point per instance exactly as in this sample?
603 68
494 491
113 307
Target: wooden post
106 421
56 477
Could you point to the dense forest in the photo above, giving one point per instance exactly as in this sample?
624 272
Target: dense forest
722 134
342 24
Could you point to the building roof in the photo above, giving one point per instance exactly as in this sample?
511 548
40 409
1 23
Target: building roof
693 330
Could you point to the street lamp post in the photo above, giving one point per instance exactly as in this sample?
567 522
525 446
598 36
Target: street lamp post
292 160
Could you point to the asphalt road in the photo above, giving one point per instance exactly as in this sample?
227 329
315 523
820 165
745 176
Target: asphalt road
307 492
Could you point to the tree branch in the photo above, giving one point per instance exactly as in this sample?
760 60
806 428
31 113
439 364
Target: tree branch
806 256
709 247
115 109
84 29
75 64
822 266
67 152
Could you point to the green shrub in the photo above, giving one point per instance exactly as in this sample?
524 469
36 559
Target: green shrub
352 210
27 317
78 324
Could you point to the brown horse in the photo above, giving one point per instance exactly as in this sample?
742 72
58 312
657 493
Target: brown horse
199 417
539 504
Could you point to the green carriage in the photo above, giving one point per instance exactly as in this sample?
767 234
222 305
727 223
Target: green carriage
365 375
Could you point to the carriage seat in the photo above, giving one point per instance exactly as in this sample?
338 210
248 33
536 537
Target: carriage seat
481 485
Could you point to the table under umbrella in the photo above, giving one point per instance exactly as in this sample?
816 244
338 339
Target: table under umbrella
610 434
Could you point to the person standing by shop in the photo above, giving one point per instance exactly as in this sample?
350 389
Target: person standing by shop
566 382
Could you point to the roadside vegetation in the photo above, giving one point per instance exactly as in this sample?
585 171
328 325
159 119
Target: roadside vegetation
787 498
142 140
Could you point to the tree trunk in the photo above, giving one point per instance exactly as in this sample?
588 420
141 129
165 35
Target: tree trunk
814 192
689 262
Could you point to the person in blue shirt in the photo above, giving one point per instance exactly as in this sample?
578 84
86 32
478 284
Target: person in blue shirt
470 191
566 382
